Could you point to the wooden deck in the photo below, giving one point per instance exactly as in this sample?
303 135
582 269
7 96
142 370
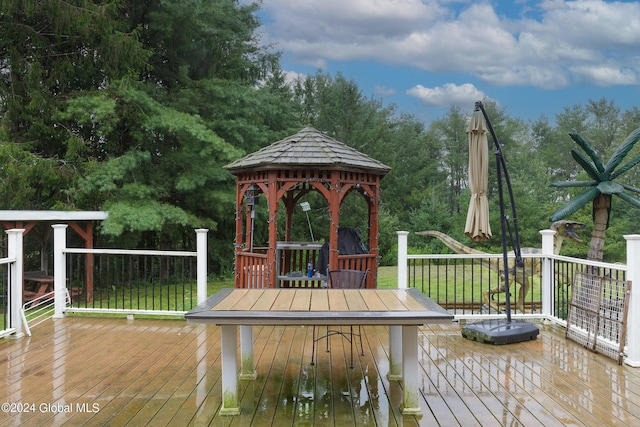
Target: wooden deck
94 371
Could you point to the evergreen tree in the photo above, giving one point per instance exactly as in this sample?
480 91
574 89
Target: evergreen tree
51 50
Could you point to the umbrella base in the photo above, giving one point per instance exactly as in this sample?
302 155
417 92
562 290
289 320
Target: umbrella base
500 331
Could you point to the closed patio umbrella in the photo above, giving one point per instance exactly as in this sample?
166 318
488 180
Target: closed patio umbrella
477 226
497 331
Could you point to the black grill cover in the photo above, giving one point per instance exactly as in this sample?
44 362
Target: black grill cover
349 243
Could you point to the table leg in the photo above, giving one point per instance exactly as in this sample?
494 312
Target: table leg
395 353
230 398
247 368
410 392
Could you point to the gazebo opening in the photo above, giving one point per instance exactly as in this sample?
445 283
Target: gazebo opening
290 199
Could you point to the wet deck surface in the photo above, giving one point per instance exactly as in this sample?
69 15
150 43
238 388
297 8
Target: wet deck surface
89 371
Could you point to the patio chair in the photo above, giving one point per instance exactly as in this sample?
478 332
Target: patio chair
342 279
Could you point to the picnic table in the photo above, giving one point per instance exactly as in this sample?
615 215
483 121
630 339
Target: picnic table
39 283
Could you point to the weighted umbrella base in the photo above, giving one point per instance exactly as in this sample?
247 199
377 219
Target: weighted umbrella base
500 331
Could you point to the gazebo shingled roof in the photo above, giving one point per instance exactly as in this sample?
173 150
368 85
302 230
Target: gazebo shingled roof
287 170
308 148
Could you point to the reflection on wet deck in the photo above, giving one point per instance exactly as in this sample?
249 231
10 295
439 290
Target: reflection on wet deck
88 371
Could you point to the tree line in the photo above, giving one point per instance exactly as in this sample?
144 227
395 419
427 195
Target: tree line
136 106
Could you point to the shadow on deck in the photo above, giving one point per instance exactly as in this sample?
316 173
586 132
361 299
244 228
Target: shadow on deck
97 371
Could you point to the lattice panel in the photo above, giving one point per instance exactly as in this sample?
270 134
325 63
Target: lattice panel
598 313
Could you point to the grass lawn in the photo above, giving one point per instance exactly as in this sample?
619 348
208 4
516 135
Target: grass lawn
388 277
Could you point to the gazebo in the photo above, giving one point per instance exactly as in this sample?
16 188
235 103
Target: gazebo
284 172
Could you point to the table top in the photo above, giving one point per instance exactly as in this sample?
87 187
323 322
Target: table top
38 279
318 307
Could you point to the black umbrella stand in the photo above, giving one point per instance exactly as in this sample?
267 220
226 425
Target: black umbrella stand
503 331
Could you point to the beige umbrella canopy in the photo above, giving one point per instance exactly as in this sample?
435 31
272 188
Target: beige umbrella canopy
477 226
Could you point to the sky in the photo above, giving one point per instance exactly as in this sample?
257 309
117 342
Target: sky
531 57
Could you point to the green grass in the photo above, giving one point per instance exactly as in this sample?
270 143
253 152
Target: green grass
214 286
388 277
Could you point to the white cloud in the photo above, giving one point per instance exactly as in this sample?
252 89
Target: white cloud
384 91
547 44
605 76
528 75
447 95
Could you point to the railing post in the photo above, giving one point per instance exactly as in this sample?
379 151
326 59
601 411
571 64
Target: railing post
59 270
547 273
201 243
15 251
402 259
633 319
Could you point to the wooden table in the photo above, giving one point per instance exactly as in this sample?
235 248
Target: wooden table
403 310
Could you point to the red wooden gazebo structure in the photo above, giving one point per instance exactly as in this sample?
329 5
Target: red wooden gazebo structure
282 173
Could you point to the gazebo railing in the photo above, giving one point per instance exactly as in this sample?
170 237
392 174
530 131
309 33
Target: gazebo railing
251 268
293 259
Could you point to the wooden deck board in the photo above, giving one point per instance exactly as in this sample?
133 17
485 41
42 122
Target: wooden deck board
261 398
517 364
389 392
161 372
162 391
277 400
483 379
142 369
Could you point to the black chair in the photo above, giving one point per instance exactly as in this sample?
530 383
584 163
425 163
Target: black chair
342 279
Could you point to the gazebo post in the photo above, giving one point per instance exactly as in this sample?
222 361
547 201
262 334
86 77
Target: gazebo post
334 204
247 227
239 239
272 197
374 211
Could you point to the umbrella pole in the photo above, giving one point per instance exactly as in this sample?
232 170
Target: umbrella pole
515 242
503 228
496 331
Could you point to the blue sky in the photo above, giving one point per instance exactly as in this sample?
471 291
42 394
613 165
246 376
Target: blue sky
532 57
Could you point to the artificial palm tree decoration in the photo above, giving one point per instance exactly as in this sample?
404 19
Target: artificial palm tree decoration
600 188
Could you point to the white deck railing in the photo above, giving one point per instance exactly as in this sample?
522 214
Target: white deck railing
61 251
552 292
57 303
